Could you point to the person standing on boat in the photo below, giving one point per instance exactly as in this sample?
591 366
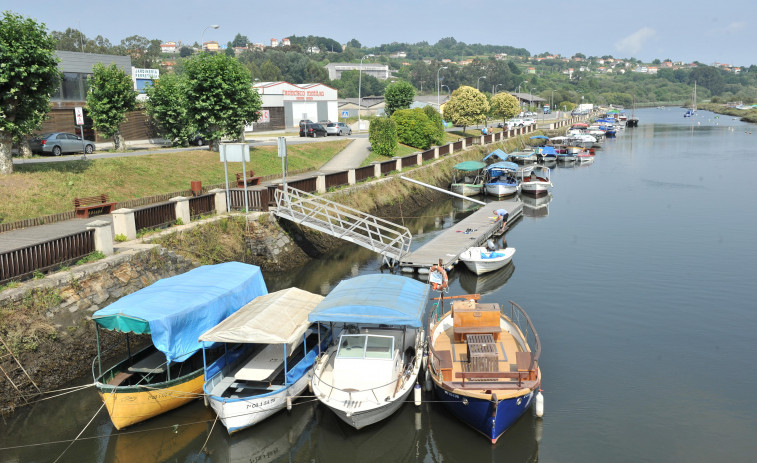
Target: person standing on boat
503 214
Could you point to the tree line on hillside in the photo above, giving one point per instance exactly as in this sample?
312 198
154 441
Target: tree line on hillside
305 59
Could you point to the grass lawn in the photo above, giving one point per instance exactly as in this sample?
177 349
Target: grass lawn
35 190
402 150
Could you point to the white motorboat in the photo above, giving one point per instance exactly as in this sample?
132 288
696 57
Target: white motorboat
479 260
500 179
537 183
268 359
367 375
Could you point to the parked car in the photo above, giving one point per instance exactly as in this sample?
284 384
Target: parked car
199 140
338 128
57 143
303 126
312 129
529 121
515 123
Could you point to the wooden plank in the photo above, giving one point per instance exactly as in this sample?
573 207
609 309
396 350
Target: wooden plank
474 230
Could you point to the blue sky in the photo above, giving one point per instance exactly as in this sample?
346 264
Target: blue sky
644 29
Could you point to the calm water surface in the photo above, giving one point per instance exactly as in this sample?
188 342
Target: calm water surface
639 275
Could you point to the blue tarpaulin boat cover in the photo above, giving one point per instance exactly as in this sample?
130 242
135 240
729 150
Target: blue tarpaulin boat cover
503 165
175 311
498 152
375 299
548 150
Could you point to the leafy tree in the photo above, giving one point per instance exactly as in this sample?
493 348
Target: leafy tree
436 120
467 107
505 106
166 105
398 95
354 43
382 133
240 41
69 40
229 50
220 99
28 75
185 52
568 105
351 84
414 128
111 95
269 72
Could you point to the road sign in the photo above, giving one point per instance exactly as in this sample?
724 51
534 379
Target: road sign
345 114
265 116
79 113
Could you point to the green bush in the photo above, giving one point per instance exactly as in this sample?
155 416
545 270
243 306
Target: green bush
415 128
382 134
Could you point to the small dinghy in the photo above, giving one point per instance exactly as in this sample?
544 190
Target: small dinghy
480 260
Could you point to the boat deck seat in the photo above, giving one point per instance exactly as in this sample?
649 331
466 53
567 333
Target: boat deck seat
462 332
120 378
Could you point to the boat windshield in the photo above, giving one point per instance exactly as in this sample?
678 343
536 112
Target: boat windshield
366 346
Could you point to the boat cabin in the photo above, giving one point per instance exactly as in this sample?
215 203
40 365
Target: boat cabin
364 361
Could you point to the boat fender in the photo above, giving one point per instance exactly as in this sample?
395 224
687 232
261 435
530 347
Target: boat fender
438 278
539 404
417 394
289 404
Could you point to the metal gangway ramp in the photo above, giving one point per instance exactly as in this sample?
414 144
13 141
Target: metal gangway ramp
390 240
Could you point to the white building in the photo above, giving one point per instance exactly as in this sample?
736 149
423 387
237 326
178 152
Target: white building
379 71
286 104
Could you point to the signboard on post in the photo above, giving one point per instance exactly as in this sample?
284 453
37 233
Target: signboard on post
345 114
235 152
265 116
79 113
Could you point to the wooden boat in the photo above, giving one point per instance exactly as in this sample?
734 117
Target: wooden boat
367 375
480 260
500 179
174 312
268 361
483 361
537 183
467 178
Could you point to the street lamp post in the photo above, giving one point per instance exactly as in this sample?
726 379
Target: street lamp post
494 89
449 92
531 98
202 36
479 81
438 87
360 93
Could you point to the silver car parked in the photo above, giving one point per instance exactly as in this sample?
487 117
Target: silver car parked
58 143
338 128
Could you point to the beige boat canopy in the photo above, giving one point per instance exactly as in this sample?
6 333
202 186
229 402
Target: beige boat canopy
275 318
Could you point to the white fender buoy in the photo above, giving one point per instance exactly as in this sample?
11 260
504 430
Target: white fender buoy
289 404
417 394
539 404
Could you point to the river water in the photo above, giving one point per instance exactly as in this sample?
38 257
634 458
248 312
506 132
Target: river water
639 274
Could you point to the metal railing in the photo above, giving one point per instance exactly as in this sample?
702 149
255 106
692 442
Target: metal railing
23 262
157 216
390 240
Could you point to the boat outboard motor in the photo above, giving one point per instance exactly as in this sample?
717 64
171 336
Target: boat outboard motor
490 245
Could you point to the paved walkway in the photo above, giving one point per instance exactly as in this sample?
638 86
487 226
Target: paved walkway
350 157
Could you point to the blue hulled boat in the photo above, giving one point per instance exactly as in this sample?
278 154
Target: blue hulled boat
484 363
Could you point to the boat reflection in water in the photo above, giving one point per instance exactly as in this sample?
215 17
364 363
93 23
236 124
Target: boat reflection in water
162 439
486 283
395 438
280 438
445 433
536 207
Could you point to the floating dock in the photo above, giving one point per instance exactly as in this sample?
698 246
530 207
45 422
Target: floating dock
474 230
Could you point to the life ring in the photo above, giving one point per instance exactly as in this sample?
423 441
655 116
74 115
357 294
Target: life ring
435 285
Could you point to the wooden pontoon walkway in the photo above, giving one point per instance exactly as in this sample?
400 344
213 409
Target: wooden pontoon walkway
454 241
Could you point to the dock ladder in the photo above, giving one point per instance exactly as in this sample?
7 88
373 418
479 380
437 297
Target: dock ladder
390 240
14 371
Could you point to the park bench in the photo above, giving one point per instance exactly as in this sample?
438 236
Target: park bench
84 206
250 179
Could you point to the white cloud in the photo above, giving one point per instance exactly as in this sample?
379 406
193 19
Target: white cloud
734 27
632 44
